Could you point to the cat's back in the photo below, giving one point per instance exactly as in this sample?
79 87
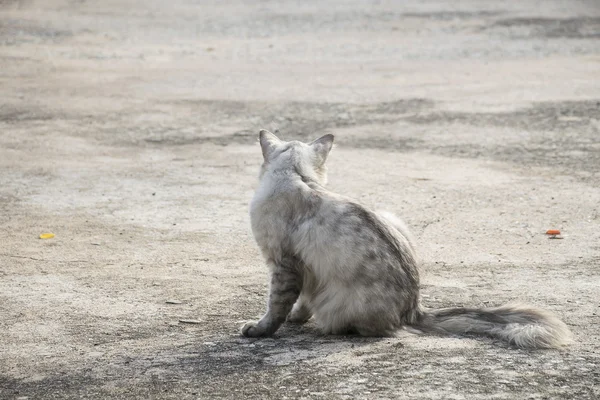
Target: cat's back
343 235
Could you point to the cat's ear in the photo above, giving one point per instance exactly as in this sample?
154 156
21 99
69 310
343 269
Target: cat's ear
268 142
322 147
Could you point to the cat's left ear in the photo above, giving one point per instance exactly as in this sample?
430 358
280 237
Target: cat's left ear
268 143
322 147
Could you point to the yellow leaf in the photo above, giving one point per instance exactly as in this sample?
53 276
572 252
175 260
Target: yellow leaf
46 235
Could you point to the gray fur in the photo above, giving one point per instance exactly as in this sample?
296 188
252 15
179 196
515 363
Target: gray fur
517 324
355 270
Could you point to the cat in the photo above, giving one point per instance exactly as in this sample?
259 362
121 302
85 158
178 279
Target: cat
353 269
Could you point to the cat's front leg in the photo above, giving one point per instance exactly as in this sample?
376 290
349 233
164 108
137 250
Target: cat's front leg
286 283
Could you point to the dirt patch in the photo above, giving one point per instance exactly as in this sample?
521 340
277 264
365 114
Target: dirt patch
15 32
554 134
571 28
557 133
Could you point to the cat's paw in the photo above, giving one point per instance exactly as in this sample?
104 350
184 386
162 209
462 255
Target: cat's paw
298 318
251 329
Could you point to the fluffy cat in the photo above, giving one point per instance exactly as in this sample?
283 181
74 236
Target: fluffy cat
355 270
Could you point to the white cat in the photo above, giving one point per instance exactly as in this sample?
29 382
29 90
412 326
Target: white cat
352 269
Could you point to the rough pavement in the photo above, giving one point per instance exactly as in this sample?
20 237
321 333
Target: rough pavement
128 129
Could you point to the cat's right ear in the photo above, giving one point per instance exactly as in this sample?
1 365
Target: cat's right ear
268 142
322 147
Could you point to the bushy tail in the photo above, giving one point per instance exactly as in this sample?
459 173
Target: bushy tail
520 325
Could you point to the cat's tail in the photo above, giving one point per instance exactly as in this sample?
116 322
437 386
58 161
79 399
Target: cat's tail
520 325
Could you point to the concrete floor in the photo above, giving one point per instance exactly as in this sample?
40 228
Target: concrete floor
129 130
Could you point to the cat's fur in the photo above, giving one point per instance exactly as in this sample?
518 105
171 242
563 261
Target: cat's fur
354 270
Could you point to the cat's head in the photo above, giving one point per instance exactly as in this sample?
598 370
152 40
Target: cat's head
306 160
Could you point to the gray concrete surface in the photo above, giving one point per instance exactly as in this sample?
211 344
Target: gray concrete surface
128 129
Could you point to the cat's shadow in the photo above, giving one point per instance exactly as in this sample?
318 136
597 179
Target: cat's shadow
230 354
291 344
